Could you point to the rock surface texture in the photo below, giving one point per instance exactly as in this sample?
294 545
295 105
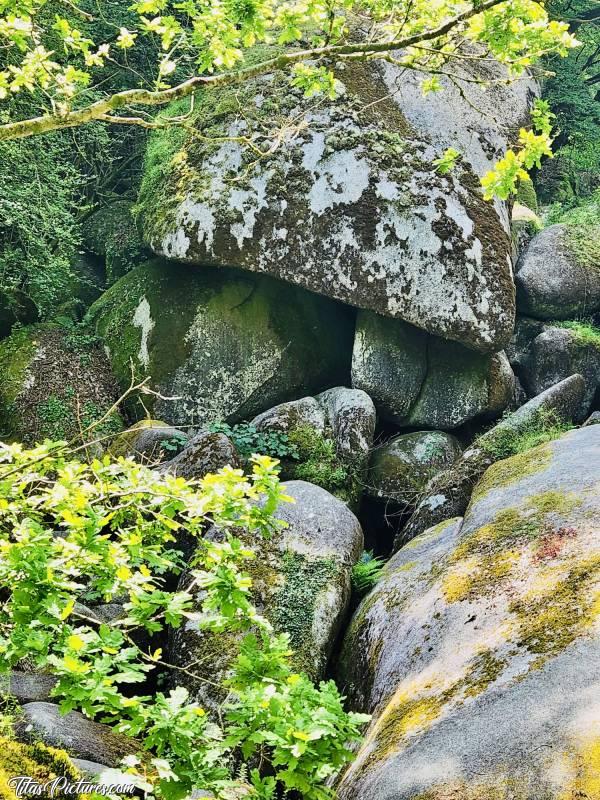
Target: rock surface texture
401 468
420 380
353 206
78 735
52 386
448 493
219 344
558 275
479 650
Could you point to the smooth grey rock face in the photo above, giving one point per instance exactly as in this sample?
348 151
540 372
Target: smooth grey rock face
448 494
28 687
205 452
401 468
301 584
148 443
103 775
288 416
479 650
220 345
352 206
417 380
556 353
78 735
558 275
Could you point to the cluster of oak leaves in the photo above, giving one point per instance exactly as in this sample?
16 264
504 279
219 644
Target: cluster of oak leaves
73 533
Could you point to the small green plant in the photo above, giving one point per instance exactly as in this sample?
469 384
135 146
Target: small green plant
174 444
248 440
318 462
544 427
585 332
366 573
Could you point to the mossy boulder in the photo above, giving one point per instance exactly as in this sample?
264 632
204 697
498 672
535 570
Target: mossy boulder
478 652
331 435
301 584
448 493
79 736
54 384
417 380
205 452
111 233
351 205
557 352
558 275
219 345
401 468
42 764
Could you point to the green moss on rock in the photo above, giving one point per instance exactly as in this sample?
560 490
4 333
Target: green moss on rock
221 344
111 233
54 386
36 761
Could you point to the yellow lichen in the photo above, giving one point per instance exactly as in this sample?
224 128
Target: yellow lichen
506 472
550 620
587 782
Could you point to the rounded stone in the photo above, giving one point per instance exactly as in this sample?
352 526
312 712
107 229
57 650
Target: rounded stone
558 275
401 468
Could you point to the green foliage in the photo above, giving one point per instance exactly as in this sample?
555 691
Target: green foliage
544 427
503 181
366 573
574 97
447 161
39 230
62 59
119 524
578 211
249 440
585 332
318 462
175 444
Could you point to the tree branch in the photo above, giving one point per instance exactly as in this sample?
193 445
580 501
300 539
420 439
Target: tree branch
102 109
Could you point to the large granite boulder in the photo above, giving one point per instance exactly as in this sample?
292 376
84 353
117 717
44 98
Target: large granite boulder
350 205
111 234
301 584
328 439
478 652
149 441
418 380
558 275
219 344
203 453
347 416
55 384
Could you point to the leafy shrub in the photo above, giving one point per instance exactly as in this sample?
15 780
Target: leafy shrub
249 440
366 573
118 525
